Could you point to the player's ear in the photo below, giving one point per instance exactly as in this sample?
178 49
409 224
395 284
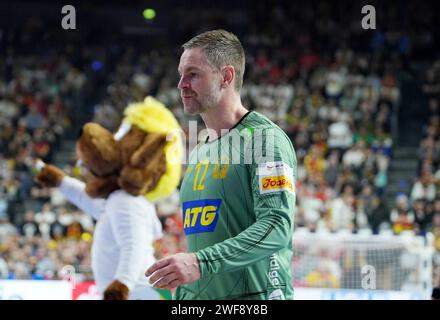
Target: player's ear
228 75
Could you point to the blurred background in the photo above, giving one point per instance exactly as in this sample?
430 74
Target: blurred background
361 107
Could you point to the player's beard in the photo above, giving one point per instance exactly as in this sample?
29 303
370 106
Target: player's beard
202 103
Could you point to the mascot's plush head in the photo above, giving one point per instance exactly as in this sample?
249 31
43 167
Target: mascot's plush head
143 157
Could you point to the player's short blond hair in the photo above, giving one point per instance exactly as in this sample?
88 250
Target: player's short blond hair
221 48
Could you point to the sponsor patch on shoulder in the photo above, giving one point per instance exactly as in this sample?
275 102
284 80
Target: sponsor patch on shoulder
274 177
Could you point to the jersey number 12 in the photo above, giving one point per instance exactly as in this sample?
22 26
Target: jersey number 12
199 186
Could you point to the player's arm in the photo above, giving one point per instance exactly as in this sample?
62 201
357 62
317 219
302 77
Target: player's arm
274 210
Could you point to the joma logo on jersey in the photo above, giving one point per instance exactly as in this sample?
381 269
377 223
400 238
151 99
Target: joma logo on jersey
200 215
276 183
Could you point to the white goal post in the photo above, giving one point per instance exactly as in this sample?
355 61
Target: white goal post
361 266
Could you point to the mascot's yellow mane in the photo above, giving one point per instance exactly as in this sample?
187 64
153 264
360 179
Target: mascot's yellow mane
152 116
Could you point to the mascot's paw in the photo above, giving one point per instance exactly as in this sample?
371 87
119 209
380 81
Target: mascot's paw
50 176
116 291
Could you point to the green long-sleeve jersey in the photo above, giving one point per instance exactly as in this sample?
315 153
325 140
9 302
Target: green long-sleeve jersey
238 198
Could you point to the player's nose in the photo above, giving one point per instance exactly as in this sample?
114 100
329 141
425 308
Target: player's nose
183 83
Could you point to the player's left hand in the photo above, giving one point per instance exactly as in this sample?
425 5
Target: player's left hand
173 271
116 291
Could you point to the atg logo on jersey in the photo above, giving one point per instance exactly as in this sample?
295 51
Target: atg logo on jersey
200 215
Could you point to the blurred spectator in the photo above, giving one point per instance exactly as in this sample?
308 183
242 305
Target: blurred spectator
340 136
342 210
29 227
423 189
44 219
7 229
401 218
380 216
421 217
332 170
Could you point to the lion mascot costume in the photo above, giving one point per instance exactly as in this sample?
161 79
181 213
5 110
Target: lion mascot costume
125 174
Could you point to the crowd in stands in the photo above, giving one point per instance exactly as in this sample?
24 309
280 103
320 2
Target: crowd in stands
334 96
36 103
425 192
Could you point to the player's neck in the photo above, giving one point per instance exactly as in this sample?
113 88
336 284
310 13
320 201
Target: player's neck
225 115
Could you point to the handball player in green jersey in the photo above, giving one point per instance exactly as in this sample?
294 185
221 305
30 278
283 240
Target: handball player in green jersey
238 193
